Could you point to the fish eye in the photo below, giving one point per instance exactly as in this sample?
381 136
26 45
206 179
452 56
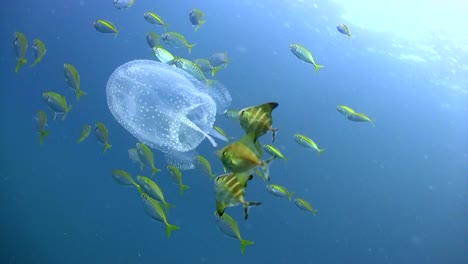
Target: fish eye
224 153
242 112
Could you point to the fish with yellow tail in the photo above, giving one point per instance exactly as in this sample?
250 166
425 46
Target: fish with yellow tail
146 156
123 178
39 50
152 189
304 55
343 29
21 45
273 151
102 135
205 165
279 191
177 176
258 119
105 27
154 19
230 228
243 156
304 205
84 134
230 191
155 210
176 40
307 142
57 103
41 121
193 69
72 78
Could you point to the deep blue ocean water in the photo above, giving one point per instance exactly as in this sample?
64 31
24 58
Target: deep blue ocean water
393 193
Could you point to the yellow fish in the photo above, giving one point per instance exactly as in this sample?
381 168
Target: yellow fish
175 172
154 209
84 134
41 121
229 227
258 119
307 142
102 135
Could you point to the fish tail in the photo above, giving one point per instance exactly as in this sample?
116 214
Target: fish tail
197 27
42 136
165 26
246 208
80 93
171 228
34 63
66 112
107 146
154 171
116 33
183 187
245 243
349 36
190 46
290 195
210 82
320 151
140 190
314 211
55 115
215 70
317 67
273 131
212 175
20 63
168 206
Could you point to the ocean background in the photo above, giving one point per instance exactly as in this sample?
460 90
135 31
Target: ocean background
393 193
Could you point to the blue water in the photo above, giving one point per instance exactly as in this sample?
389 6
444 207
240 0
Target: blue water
393 193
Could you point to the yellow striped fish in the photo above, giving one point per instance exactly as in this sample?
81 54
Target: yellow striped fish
230 191
258 119
307 142
154 209
230 228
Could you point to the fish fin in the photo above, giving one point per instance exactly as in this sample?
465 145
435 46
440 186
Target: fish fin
273 134
66 113
183 187
314 211
220 207
190 46
55 115
197 27
34 63
168 206
165 27
317 67
249 140
140 190
320 151
265 167
349 36
215 70
20 63
116 33
42 136
245 243
107 146
170 228
290 196
155 170
246 208
80 93
269 107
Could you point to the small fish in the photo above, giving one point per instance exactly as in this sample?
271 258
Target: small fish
192 69
304 55
232 114
304 205
152 39
39 50
41 122
176 40
197 18
230 191
133 156
152 189
175 172
307 142
206 165
343 29
154 209
243 156
279 191
258 119
154 19
219 59
345 110
21 45
206 66
105 27
146 156
360 117
102 135
163 55
273 151
124 178
57 103
72 78
123 4
229 227
84 134
221 132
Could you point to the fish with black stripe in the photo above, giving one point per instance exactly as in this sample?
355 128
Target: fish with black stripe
258 119
230 191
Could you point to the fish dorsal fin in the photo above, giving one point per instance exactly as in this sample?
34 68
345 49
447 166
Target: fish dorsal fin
268 107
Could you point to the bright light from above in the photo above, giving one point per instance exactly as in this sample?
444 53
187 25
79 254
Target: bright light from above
409 18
